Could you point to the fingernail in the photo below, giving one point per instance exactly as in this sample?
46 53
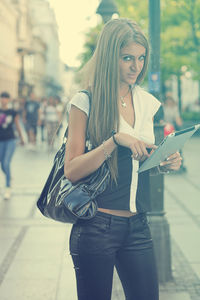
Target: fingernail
161 164
167 158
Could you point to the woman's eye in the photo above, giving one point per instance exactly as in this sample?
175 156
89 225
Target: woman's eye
132 58
142 57
126 58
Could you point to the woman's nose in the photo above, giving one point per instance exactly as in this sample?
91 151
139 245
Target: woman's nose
135 66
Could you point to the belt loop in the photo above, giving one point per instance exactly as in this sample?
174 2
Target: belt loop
129 221
111 220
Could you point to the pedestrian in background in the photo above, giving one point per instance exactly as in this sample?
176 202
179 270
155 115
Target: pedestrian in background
8 118
32 119
173 122
194 107
43 106
171 116
52 119
60 109
119 234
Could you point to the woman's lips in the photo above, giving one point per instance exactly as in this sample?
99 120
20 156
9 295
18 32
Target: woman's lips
132 76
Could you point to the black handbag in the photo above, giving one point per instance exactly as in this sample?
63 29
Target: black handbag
66 202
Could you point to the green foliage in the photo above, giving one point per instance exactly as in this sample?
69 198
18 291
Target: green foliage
180 33
191 116
180 36
90 43
135 10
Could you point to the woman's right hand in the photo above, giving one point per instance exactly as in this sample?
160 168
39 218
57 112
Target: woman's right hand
138 147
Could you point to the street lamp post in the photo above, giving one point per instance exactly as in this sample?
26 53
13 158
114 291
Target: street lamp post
24 88
158 222
21 83
106 9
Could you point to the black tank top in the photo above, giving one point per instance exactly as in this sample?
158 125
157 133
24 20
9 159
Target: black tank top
117 196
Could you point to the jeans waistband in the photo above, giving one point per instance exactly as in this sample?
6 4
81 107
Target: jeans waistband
107 216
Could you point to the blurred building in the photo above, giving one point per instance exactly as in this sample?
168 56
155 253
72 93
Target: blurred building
69 82
45 28
29 52
25 46
9 59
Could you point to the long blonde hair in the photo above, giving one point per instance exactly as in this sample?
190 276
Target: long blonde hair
101 74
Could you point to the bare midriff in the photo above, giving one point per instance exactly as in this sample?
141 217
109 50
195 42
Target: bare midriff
120 213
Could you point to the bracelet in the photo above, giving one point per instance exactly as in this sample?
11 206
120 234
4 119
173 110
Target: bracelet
113 136
162 171
107 156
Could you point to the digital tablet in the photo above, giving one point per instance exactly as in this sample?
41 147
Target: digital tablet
171 144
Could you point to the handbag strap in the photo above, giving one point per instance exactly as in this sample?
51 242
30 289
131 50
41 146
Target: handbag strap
88 93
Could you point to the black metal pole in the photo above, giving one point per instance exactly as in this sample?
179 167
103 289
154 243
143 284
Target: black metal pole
158 222
179 94
22 77
154 37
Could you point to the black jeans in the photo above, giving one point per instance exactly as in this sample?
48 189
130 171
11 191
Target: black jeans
106 241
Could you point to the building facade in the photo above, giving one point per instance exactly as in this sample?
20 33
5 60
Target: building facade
9 58
45 27
29 52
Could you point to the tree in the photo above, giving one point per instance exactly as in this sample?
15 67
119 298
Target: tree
128 9
180 34
90 44
135 10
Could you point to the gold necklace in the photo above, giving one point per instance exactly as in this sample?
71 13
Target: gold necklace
123 104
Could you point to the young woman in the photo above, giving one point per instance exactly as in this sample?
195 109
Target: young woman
119 234
52 118
8 118
171 115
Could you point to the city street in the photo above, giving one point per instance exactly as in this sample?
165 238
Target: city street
34 254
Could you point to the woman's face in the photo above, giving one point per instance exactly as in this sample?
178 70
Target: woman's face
169 102
131 63
4 101
51 101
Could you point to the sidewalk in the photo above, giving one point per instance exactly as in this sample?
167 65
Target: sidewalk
182 204
34 255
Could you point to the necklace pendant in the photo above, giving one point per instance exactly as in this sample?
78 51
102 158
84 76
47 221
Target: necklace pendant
123 104
123 97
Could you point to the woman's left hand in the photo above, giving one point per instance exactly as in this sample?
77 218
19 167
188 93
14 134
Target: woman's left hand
173 162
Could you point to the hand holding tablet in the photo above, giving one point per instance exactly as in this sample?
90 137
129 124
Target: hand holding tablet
171 144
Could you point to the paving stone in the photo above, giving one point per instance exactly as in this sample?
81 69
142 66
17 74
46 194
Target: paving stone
196 267
174 296
45 251
16 208
33 269
9 231
67 283
5 245
52 234
12 289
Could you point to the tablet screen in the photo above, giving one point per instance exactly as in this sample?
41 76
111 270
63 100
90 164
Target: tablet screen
171 144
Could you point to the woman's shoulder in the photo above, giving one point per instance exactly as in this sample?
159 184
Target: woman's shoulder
148 99
80 100
146 94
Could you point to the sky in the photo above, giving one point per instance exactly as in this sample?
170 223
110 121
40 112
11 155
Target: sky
74 18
